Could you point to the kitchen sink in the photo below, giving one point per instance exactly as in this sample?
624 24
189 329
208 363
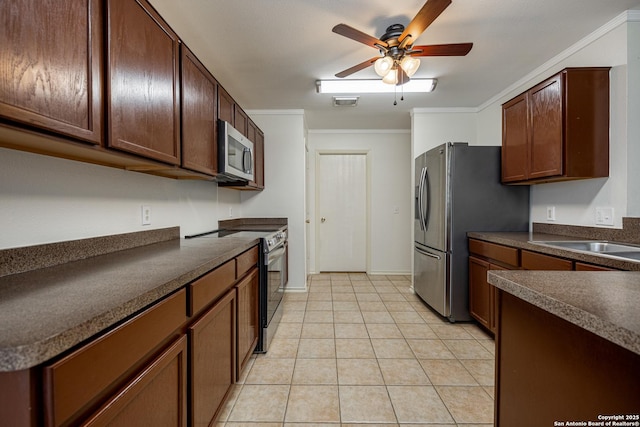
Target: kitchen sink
600 247
590 246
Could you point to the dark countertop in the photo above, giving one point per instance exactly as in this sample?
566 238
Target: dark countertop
523 240
45 311
602 302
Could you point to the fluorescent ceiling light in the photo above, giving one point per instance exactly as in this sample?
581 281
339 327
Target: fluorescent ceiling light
373 86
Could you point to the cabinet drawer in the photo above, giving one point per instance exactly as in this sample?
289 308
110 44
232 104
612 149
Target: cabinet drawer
494 251
246 261
581 266
84 377
536 261
211 286
156 397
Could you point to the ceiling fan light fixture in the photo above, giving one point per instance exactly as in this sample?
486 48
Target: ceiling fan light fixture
410 65
383 65
392 77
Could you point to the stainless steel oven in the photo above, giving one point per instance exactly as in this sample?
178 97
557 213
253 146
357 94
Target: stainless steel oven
275 271
273 277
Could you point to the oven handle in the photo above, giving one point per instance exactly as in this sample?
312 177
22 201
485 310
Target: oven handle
276 253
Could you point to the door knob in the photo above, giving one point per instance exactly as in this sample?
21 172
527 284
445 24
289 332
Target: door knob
323 219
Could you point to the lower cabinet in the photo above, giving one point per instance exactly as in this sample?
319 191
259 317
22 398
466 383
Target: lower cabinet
480 292
247 318
483 301
212 353
173 364
157 397
485 256
549 371
102 368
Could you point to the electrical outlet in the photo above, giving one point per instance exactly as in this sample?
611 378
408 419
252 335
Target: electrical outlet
551 213
230 212
146 215
604 216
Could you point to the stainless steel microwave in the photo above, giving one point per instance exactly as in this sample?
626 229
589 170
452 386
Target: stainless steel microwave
235 154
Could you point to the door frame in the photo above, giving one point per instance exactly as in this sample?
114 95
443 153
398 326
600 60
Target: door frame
367 154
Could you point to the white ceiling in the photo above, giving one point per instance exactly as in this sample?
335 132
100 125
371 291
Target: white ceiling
269 53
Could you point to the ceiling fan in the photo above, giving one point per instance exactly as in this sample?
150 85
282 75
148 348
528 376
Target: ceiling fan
398 61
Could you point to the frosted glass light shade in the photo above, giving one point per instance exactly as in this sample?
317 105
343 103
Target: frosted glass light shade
410 65
383 65
391 77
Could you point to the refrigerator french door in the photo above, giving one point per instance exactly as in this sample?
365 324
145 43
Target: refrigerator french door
457 190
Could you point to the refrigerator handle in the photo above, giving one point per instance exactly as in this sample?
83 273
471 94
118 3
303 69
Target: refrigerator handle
427 213
421 217
427 253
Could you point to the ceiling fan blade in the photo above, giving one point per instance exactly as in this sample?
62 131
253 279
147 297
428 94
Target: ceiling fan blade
455 49
355 68
429 12
359 36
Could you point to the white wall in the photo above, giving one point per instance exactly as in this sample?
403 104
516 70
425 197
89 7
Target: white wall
431 127
390 162
45 199
575 201
633 115
284 192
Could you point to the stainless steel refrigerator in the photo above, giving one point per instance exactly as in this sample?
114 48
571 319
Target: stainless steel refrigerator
457 190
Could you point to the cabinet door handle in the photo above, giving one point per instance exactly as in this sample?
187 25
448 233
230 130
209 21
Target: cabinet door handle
323 219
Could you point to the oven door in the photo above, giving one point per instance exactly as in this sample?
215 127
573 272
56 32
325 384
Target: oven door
275 280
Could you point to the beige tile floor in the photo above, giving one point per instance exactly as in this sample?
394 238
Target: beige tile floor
360 349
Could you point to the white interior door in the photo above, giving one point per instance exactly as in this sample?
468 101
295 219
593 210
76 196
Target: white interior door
341 212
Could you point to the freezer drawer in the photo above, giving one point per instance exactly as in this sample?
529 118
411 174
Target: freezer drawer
430 278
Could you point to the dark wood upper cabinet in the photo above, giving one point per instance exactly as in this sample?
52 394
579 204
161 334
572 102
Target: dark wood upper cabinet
256 135
226 106
143 92
241 120
559 129
199 115
51 60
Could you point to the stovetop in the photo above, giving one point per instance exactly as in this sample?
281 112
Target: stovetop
271 238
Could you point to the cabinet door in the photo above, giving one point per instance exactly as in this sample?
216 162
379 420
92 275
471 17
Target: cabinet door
515 139
257 137
259 153
226 106
156 397
247 318
240 119
143 82
51 60
480 292
199 124
546 143
212 346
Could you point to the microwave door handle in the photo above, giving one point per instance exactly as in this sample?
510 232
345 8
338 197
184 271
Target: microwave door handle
246 160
